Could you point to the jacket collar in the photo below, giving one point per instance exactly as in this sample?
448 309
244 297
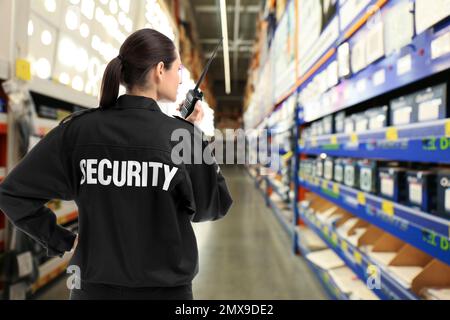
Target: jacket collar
128 101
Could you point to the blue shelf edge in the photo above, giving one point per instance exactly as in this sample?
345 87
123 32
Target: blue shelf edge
287 225
424 142
422 230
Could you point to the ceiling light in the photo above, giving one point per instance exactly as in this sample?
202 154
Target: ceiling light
226 52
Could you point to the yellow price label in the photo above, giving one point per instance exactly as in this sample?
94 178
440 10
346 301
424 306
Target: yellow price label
392 134
288 155
336 188
447 128
333 139
334 238
23 69
361 198
324 184
302 143
314 141
388 208
344 246
354 138
325 229
358 257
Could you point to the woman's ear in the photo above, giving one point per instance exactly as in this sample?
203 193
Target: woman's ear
160 68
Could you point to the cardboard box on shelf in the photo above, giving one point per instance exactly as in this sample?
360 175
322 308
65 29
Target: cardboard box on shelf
367 241
385 249
433 282
408 264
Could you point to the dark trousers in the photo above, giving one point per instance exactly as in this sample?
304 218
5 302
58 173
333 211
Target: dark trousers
93 291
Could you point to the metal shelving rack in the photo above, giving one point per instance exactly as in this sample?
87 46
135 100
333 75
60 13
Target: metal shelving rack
427 142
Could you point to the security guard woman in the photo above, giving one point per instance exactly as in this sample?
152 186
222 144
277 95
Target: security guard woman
136 200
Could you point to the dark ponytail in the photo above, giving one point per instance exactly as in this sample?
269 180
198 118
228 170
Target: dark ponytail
141 52
110 83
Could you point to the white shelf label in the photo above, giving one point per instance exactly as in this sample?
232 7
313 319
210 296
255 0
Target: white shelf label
379 77
440 46
25 264
361 85
404 65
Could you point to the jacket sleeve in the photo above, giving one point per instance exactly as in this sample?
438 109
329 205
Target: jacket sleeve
40 177
211 198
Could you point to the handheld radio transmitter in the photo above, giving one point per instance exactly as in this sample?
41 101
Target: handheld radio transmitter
193 96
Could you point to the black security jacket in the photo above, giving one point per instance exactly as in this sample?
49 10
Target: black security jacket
135 232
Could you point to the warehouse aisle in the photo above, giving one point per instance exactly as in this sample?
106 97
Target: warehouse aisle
244 256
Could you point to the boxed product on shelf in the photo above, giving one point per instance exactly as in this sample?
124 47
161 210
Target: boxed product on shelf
367 175
339 170
349 124
375 42
385 249
319 167
443 193
307 132
314 168
327 124
378 118
351 173
318 127
403 111
408 264
339 122
343 54
431 103
361 122
328 168
421 189
391 183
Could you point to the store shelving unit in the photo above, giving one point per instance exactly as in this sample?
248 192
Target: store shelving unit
356 259
423 142
422 230
425 57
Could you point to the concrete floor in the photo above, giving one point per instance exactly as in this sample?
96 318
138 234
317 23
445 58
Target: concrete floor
247 255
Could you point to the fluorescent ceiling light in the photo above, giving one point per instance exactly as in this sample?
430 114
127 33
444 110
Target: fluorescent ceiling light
226 50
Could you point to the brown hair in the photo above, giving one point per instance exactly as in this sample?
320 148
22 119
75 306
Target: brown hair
140 52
